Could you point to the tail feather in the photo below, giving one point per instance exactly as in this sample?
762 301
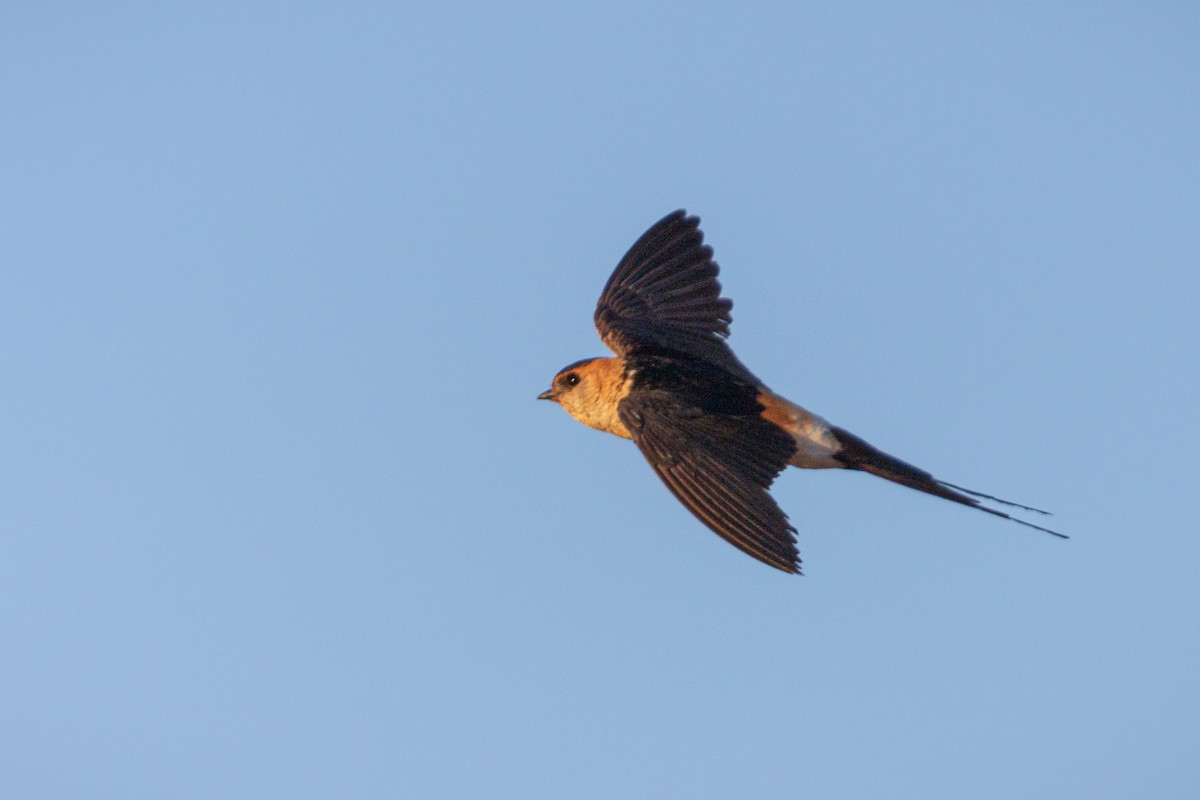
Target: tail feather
857 454
996 499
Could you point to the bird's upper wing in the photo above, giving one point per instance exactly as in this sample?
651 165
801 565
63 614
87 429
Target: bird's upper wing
664 295
719 466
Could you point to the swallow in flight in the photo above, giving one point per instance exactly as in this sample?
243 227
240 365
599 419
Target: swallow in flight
714 433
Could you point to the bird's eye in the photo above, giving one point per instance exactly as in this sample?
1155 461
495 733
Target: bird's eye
572 379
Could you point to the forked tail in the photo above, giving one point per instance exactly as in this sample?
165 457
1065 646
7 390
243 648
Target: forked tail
857 454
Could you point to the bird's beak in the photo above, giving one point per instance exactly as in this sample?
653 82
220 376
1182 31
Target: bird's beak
546 395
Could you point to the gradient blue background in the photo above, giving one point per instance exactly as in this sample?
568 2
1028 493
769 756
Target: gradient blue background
280 517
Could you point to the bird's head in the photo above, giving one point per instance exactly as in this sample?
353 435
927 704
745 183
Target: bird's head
589 390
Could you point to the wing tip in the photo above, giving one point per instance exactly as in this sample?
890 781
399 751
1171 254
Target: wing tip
794 569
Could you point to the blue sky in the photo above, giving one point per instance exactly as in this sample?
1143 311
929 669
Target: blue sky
280 516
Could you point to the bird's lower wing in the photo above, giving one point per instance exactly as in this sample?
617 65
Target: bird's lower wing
720 467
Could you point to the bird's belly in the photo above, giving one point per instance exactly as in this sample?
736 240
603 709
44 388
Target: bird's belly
815 443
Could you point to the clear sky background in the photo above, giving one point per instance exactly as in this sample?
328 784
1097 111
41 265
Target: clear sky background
280 516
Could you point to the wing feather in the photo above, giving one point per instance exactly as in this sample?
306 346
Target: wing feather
664 295
720 466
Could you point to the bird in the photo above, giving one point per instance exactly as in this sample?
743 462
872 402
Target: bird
710 429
